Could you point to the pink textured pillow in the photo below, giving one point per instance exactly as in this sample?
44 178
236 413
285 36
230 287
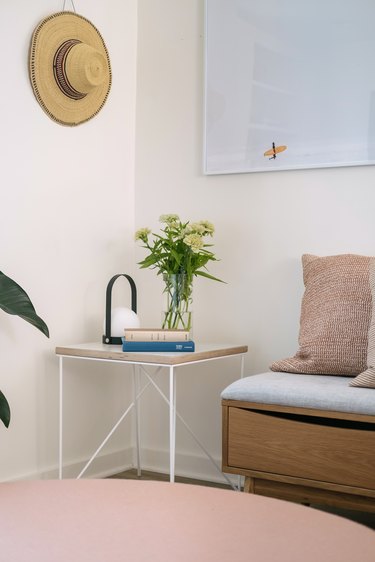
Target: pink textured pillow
366 379
335 317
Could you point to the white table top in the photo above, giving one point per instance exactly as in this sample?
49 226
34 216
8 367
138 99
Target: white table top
98 350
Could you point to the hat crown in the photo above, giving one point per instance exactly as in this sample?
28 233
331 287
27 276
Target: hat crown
86 68
79 68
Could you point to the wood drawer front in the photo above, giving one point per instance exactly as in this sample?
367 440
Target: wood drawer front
294 446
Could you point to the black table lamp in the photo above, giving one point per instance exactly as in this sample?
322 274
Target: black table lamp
128 317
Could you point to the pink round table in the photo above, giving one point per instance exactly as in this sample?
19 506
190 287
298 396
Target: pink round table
113 520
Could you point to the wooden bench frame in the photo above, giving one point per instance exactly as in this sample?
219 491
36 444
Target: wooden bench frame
299 454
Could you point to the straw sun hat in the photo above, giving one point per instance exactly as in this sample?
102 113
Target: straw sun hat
70 70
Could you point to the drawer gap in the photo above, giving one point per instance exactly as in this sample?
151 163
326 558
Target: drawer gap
315 420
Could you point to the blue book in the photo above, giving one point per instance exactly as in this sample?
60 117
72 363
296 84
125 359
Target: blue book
157 346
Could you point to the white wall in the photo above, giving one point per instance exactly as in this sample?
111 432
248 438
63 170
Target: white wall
67 218
66 231
264 221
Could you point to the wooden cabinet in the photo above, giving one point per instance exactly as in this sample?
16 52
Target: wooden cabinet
306 455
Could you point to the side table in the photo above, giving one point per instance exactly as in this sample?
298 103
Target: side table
140 363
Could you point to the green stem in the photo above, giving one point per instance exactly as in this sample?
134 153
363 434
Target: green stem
178 292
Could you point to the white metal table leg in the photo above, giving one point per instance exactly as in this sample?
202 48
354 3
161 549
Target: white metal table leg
177 415
60 417
137 417
242 366
240 478
172 423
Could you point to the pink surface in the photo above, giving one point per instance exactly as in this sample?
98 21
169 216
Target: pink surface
113 520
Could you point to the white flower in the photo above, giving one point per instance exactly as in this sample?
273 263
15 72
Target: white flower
169 219
195 228
208 227
142 234
194 241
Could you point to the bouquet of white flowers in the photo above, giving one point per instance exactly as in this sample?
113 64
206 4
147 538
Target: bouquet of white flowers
179 253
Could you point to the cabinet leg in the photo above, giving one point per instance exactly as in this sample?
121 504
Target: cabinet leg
249 485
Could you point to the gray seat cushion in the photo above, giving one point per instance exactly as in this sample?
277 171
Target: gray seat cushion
319 392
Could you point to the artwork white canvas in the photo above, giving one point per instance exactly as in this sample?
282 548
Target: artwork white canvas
289 73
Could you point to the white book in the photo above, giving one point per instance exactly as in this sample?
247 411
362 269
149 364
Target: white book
155 334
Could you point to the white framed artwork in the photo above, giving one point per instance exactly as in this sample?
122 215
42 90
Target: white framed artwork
289 84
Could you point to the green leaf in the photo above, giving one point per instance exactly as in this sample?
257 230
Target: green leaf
204 274
14 300
4 410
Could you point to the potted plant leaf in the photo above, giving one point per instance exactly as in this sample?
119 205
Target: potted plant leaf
14 300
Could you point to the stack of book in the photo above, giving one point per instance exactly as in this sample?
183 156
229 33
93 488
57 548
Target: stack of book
157 339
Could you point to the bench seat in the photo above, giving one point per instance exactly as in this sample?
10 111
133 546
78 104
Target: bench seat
319 392
306 438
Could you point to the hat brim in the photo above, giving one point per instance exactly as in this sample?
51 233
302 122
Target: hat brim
47 38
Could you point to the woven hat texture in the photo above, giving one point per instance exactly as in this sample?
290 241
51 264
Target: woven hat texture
335 317
69 67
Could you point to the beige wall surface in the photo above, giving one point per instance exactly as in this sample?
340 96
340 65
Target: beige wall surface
67 217
264 221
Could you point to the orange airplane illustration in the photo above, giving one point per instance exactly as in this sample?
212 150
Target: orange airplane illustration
272 152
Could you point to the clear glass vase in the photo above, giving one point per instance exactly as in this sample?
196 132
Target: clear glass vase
178 302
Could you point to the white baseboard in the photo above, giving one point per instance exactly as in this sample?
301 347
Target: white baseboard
197 467
103 466
188 465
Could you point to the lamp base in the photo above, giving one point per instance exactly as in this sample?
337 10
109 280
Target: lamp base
111 340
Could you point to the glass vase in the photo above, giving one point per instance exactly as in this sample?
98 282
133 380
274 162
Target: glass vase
178 302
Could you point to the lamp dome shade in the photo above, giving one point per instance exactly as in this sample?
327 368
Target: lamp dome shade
122 318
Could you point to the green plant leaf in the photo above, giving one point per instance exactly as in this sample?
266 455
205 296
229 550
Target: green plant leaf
204 274
14 300
4 410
